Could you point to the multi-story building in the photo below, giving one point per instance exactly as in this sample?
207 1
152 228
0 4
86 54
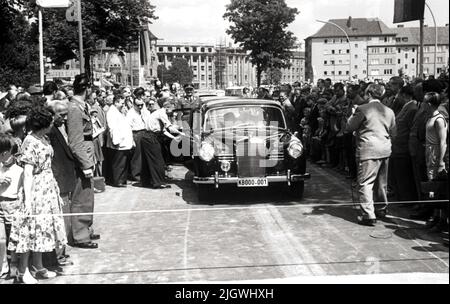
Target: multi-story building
374 51
213 67
233 68
297 70
330 55
199 56
408 50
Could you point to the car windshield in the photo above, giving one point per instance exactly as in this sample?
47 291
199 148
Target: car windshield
243 117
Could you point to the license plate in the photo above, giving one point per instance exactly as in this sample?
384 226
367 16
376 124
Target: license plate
253 182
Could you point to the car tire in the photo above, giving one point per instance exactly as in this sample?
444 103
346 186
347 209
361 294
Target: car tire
205 193
297 189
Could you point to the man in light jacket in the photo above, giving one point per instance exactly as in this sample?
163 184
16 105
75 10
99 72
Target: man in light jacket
374 125
119 142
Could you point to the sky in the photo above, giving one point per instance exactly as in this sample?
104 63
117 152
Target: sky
200 21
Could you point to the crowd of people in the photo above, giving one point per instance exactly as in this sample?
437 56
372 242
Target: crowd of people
389 138
59 144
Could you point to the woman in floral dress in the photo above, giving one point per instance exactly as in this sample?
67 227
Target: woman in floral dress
41 232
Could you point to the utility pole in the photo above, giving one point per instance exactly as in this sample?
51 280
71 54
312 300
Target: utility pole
435 38
80 36
421 50
41 49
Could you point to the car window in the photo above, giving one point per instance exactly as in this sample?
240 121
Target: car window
243 117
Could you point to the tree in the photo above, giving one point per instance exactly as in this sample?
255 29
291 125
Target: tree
273 76
116 21
19 56
180 71
260 27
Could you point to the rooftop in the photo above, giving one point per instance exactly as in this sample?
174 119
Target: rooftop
355 28
413 35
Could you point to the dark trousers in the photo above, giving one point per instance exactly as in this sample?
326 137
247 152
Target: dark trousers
419 169
106 167
136 155
350 154
152 171
402 179
119 166
82 202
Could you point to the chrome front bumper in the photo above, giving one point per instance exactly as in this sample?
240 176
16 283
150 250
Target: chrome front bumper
220 180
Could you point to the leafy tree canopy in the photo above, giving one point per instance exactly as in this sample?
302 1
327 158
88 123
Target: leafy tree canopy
180 71
19 56
273 76
260 27
115 21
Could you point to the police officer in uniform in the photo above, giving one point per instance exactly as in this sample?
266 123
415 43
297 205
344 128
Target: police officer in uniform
187 103
80 137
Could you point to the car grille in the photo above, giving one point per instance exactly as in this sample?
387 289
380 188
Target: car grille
250 165
226 157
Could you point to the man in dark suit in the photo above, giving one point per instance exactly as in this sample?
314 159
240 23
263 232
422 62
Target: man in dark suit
374 124
80 137
63 167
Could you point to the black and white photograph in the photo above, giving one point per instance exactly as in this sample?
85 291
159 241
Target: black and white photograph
220 145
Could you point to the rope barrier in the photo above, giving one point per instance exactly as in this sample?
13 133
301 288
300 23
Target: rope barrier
299 206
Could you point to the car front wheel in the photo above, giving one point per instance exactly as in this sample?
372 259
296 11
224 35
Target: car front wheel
297 189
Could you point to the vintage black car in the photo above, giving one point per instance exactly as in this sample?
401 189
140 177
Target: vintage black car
244 142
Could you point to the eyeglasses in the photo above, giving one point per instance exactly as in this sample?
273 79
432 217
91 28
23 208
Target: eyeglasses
140 106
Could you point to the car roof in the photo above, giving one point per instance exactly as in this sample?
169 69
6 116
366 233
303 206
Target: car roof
215 102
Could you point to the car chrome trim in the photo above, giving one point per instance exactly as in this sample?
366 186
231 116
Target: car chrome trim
216 180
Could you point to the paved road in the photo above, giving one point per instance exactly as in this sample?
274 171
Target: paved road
252 235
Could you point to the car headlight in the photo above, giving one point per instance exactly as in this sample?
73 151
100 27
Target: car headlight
295 150
206 152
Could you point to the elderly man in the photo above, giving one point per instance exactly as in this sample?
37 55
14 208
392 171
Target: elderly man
374 125
63 167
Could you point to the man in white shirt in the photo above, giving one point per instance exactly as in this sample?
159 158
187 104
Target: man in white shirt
157 124
137 124
119 143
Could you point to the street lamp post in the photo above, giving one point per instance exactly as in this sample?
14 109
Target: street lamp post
348 40
436 37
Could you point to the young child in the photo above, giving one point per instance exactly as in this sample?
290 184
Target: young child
11 179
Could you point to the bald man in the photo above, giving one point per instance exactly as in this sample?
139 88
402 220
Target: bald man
63 167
